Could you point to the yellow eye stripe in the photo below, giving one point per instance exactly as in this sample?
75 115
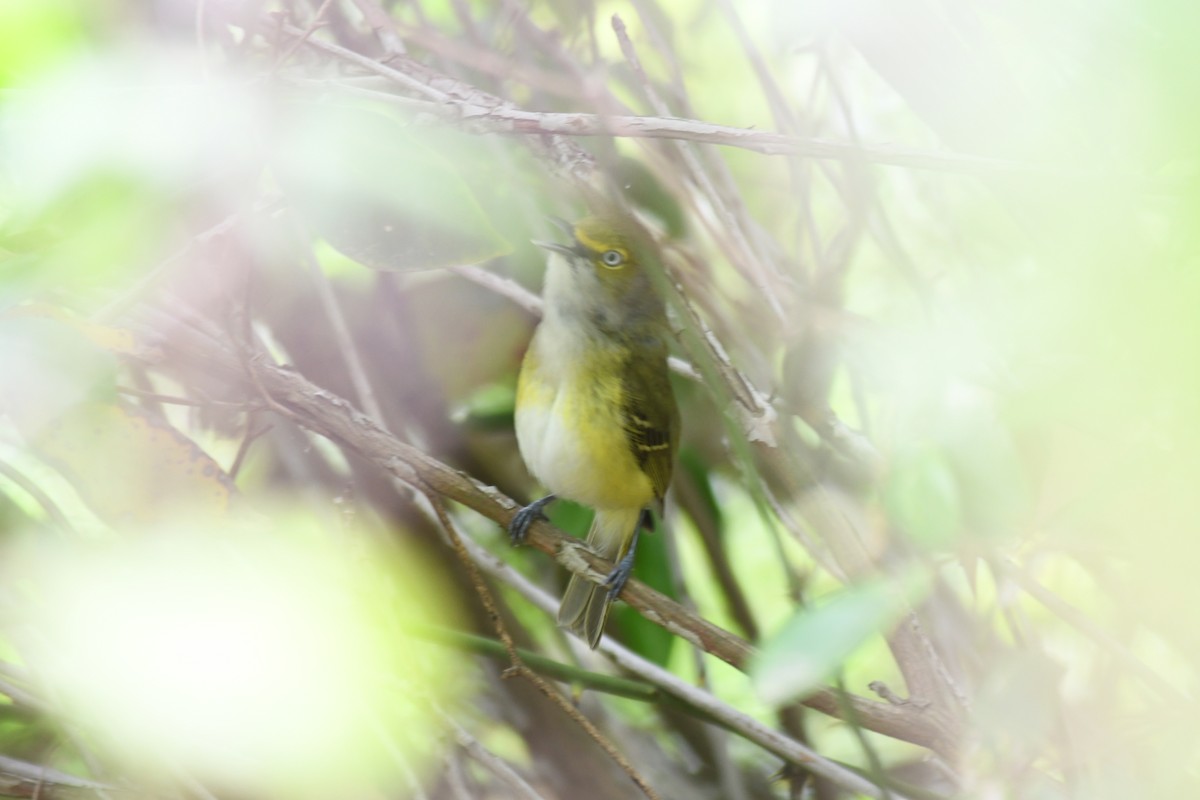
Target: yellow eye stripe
598 245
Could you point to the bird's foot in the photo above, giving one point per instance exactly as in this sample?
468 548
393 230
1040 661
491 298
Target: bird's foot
518 529
617 579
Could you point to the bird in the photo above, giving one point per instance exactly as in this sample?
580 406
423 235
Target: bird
596 418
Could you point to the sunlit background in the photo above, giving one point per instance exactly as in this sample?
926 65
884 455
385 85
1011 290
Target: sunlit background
969 295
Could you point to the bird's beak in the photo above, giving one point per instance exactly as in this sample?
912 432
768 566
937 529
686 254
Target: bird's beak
554 247
569 230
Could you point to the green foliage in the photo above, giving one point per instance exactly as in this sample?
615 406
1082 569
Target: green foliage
387 196
947 350
923 498
816 641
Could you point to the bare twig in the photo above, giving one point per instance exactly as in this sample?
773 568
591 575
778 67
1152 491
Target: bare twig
312 26
49 778
33 490
325 413
505 287
504 119
386 29
743 724
251 435
347 348
450 94
490 761
1089 628
518 665
728 220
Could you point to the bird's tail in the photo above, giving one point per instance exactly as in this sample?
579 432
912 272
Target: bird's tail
585 605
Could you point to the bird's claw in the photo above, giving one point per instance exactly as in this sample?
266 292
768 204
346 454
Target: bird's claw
617 579
518 529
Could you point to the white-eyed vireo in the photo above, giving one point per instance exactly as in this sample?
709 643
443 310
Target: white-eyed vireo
595 416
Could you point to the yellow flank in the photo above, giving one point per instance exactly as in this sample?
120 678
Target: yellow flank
570 429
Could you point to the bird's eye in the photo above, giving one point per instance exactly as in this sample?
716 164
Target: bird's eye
612 258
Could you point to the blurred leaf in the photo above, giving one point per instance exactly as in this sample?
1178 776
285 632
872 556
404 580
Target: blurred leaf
149 122
490 407
817 640
1017 700
645 190
922 498
130 465
693 464
110 166
34 35
569 517
127 464
381 193
115 340
96 233
156 642
990 475
49 367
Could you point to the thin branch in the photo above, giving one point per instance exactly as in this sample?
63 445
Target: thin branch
505 119
338 326
505 287
1089 628
491 762
728 220
555 670
743 724
312 26
33 490
22 779
449 94
385 27
138 291
325 413
252 433
498 66
510 646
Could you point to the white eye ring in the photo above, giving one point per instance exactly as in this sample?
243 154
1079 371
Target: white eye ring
612 258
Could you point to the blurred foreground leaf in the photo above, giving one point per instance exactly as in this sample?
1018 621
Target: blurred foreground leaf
814 642
159 642
922 497
382 194
127 463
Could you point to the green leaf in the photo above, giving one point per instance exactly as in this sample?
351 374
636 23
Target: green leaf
570 517
817 640
380 193
922 498
988 469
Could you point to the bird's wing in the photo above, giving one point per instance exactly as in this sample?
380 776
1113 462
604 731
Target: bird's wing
650 418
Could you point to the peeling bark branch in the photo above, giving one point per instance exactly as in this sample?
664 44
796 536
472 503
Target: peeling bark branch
482 118
331 416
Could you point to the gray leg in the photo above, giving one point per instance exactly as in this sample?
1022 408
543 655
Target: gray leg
519 527
617 579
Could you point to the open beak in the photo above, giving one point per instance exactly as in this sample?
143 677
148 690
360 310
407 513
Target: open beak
568 229
554 246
